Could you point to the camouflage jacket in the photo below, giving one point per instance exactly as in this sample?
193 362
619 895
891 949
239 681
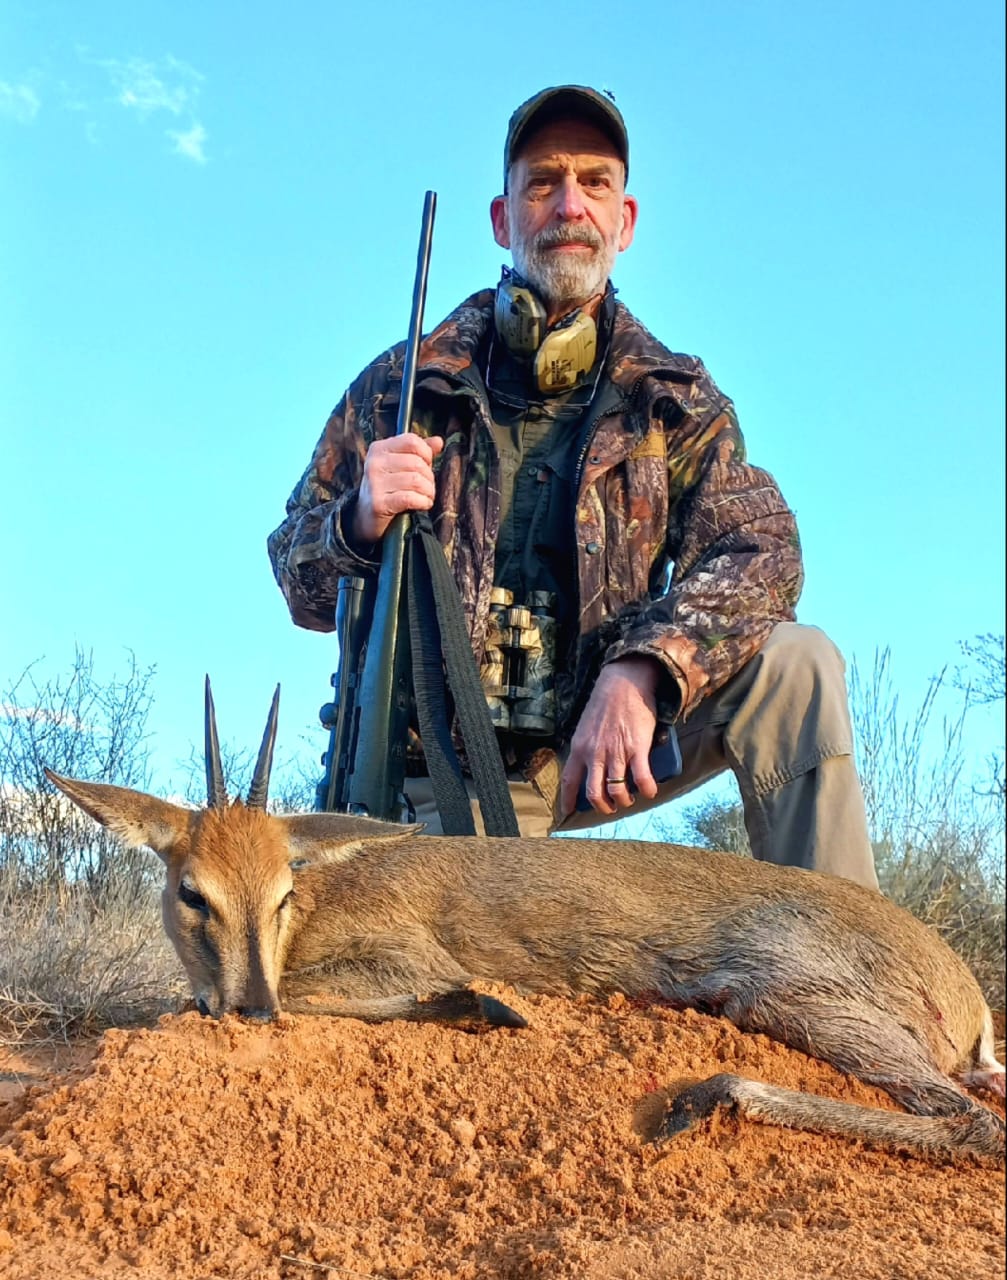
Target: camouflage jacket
685 552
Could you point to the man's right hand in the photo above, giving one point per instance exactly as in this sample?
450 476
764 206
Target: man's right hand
398 476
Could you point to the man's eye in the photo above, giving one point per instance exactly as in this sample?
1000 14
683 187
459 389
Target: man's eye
193 899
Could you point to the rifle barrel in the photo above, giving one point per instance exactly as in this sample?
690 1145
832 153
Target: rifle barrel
405 419
378 768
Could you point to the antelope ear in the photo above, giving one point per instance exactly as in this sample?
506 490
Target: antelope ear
133 816
336 837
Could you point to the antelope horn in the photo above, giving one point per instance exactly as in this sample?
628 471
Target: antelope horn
259 789
216 792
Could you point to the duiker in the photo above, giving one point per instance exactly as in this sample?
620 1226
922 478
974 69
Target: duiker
264 910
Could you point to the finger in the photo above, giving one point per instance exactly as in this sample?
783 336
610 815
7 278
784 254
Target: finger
642 775
416 477
408 485
400 464
569 785
617 784
597 789
410 444
394 501
386 492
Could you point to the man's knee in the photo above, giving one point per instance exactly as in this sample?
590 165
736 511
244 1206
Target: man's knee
795 653
793 709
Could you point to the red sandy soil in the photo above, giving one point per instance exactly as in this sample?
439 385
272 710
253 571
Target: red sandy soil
313 1148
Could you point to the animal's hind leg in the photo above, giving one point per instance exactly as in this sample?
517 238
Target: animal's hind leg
945 1121
870 1045
975 1131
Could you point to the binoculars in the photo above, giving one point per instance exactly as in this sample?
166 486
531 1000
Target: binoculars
518 666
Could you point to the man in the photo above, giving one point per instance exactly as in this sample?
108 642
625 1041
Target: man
572 461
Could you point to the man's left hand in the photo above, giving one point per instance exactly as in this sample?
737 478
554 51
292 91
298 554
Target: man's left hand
613 738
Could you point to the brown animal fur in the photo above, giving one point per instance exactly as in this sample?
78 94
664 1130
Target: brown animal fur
263 909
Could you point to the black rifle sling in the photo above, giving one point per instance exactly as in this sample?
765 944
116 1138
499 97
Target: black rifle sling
440 640
431 696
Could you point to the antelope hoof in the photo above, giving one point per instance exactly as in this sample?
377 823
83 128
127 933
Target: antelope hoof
469 1010
694 1103
498 1014
256 1014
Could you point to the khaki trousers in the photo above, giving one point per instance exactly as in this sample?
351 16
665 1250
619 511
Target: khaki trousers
782 726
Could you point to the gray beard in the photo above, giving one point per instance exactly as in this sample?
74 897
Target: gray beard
562 279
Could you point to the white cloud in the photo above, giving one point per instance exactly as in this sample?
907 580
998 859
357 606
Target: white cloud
146 87
45 715
164 88
190 143
168 85
18 102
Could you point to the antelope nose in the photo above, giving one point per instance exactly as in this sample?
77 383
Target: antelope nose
260 1014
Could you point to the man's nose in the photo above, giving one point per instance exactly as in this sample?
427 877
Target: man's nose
570 204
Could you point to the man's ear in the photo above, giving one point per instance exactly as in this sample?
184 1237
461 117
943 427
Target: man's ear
630 210
500 218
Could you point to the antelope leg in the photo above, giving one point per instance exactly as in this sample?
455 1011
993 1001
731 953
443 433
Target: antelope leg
457 1008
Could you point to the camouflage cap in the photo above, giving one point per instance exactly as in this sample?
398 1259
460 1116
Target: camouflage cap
566 100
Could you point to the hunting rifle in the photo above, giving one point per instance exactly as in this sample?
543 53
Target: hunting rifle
366 759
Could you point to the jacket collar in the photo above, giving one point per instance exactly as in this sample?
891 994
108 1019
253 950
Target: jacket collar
456 349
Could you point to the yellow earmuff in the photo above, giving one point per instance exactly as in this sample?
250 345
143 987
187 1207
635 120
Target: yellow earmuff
562 355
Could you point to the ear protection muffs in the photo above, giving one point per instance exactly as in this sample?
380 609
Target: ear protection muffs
561 355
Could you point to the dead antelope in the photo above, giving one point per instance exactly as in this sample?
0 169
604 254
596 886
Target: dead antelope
263 908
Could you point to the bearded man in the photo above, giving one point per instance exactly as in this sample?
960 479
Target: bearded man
576 467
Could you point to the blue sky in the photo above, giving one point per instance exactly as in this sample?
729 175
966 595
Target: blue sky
209 225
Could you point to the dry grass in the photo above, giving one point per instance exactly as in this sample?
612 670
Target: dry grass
81 942
962 897
936 818
70 965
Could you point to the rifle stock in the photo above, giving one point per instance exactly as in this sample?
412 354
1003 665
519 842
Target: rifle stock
369 718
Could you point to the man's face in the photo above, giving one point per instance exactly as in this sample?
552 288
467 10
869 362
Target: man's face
566 214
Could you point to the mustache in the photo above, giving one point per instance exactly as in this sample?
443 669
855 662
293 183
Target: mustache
565 233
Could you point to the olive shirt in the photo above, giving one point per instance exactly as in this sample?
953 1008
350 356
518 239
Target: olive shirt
538 439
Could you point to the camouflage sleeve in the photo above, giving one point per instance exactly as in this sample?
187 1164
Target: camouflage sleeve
310 551
737 567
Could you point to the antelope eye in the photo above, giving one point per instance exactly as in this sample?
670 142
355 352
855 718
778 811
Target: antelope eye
193 898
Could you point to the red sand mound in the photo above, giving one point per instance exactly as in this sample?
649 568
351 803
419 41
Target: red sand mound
315 1147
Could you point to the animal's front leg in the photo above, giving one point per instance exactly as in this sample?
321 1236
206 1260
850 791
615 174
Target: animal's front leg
459 1007
383 978
371 963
